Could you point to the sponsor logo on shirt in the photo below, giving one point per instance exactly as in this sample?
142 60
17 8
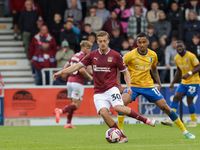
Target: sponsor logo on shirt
96 58
138 67
184 66
136 59
110 59
101 69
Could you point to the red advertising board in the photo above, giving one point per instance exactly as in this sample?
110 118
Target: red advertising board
41 102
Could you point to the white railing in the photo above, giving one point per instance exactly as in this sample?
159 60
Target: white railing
53 70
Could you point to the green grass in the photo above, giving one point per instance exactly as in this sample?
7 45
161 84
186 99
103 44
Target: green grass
92 137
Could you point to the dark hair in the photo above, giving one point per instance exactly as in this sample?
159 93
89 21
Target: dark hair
91 34
100 1
93 7
196 35
68 21
137 6
87 24
180 42
131 37
174 39
150 26
142 34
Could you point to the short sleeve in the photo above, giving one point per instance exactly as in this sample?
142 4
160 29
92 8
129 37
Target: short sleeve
194 60
86 60
155 61
126 58
120 63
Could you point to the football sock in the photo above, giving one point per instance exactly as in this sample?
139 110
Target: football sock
68 108
174 106
192 112
173 116
120 118
137 116
69 117
115 126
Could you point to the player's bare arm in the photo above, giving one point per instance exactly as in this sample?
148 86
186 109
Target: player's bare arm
196 69
127 79
85 74
176 76
68 70
156 76
66 65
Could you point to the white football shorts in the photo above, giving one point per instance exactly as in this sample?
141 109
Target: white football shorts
75 90
108 98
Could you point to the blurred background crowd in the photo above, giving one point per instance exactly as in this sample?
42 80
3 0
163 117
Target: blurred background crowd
51 30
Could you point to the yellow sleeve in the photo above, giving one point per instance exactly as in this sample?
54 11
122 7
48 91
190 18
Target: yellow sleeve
175 61
127 58
155 60
194 60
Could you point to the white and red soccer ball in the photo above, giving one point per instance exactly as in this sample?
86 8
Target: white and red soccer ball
113 135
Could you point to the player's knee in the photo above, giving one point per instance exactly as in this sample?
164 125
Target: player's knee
176 98
103 112
118 108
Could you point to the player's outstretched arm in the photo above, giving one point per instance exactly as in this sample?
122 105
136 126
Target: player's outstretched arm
85 74
156 76
195 70
127 79
68 70
177 75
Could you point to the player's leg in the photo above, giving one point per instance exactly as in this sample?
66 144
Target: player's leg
127 99
77 103
102 104
192 112
173 116
174 105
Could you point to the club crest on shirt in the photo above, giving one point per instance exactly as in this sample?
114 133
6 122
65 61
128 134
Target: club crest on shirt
186 60
110 59
150 59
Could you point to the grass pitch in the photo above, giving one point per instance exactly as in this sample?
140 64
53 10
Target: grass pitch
92 137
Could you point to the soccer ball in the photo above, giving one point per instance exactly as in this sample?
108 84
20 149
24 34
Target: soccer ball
113 135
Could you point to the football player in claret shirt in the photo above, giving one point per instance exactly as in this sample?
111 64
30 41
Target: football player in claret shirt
187 65
75 84
105 63
140 61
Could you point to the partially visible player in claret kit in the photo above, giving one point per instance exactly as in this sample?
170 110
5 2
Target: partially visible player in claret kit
75 84
187 66
140 61
105 64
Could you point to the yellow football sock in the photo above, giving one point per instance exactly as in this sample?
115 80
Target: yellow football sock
193 117
173 109
179 123
120 121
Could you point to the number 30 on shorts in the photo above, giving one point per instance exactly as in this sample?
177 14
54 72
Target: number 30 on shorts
115 96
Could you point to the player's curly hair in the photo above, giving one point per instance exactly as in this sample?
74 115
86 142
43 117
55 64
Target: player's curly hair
85 43
102 33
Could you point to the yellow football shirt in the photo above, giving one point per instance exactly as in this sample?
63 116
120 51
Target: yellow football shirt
187 63
139 66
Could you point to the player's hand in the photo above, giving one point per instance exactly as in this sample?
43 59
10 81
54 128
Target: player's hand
90 78
121 89
171 87
57 74
159 87
129 91
185 76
